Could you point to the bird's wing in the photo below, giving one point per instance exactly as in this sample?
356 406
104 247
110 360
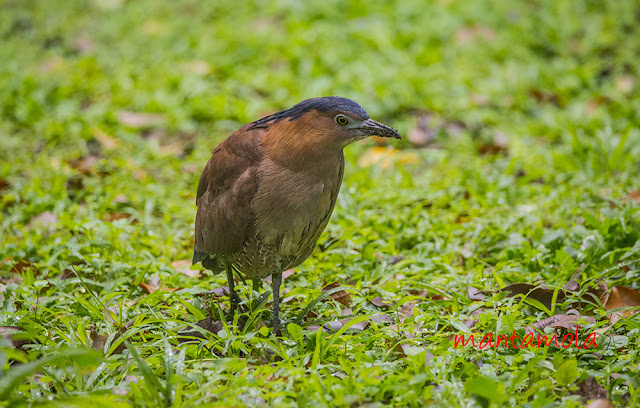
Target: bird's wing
227 186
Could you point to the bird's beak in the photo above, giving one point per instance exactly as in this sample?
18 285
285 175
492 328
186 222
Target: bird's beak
371 127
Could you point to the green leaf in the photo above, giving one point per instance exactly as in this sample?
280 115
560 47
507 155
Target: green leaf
81 357
567 372
486 388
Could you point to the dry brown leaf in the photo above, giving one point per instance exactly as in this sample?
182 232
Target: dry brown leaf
341 296
625 84
497 145
51 64
406 311
440 297
108 142
100 340
360 326
470 34
140 119
386 157
84 164
634 195
621 296
382 318
286 274
475 294
120 199
539 293
20 265
422 134
572 285
183 266
4 184
381 302
590 389
116 216
42 220
213 326
10 332
83 43
221 291
542 96
149 288
335 325
195 67
566 321
600 403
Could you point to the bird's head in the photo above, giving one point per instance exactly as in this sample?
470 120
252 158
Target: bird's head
329 122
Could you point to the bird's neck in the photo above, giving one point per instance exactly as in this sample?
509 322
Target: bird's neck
302 149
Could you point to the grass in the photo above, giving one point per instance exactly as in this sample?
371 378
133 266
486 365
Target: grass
109 109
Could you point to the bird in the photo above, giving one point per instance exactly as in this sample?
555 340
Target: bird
268 190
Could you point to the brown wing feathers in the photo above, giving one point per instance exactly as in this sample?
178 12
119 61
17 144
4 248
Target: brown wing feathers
227 187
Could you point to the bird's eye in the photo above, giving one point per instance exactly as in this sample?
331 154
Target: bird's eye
341 120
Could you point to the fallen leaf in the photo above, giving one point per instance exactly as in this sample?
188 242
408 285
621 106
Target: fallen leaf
4 185
341 296
470 323
120 199
285 275
498 144
386 157
422 134
634 195
470 34
440 297
600 403
360 326
221 291
12 333
542 96
208 324
479 99
621 296
149 288
42 220
84 164
565 321
183 266
51 64
475 294
83 43
382 318
108 142
196 67
625 84
380 302
406 311
590 389
140 119
572 285
116 216
73 184
395 259
100 340
541 294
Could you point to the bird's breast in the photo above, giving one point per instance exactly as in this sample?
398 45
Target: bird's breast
293 207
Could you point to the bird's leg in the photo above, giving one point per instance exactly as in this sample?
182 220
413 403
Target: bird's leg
276 280
234 299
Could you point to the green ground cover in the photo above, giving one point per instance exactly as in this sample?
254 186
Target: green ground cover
530 111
